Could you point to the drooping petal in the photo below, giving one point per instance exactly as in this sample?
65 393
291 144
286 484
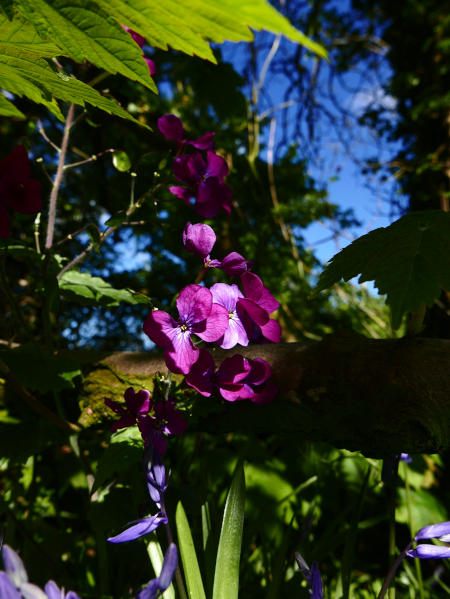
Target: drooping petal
181 354
233 370
199 239
260 372
268 302
181 192
205 142
208 208
14 566
216 324
434 531
169 566
124 422
137 403
114 406
234 334
266 395
72 595
142 528
5 224
255 312
201 383
160 327
194 304
253 286
429 552
271 331
231 393
7 589
31 591
205 192
171 126
216 166
53 591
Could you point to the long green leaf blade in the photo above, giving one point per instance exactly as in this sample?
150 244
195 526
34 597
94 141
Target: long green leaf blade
226 579
188 555
209 549
157 558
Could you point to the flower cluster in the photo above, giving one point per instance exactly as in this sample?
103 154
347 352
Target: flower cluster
425 551
140 41
17 190
154 420
14 581
204 179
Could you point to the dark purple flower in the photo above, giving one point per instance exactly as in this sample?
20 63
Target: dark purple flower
137 403
205 183
227 296
255 386
198 316
233 265
17 190
54 592
312 577
405 457
163 420
151 66
227 379
199 239
141 527
157 586
155 474
171 126
259 303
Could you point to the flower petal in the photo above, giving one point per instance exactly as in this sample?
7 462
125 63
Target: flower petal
114 406
7 589
253 286
234 265
201 383
171 126
268 302
138 402
429 552
169 566
266 395
255 312
216 166
24 198
271 331
53 591
31 591
175 423
434 531
182 171
181 354
216 324
226 295
160 327
260 372
143 527
14 566
205 142
194 304
15 168
199 239
182 193
123 422
233 370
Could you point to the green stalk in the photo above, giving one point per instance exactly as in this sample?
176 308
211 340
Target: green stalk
392 506
412 530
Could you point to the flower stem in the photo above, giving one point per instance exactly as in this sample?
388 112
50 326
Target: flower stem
392 571
392 505
200 275
58 179
411 528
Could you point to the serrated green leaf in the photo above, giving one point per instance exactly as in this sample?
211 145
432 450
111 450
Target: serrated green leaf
8 109
121 161
187 550
186 24
83 30
226 578
22 34
123 452
117 219
86 290
409 262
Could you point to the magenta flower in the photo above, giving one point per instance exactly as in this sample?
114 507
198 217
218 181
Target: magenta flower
227 379
140 41
259 303
17 190
255 386
136 404
171 126
205 183
198 316
164 419
199 239
233 265
238 321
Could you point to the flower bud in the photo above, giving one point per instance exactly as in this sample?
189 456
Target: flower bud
199 239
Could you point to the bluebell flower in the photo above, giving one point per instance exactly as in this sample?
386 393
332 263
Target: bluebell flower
312 576
141 527
434 531
53 591
157 586
155 474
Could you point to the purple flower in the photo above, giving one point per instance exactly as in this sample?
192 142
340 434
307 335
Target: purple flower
164 419
227 379
14 566
312 577
160 584
205 183
141 527
439 531
54 592
17 190
199 239
155 474
405 457
255 386
7 589
227 296
234 265
151 66
198 316
434 531
259 303
171 126
429 552
137 403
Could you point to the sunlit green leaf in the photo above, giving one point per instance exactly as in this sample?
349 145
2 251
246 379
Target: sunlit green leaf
117 219
187 550
86 290
8 109
121 161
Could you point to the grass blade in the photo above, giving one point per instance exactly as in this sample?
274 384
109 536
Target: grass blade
188 556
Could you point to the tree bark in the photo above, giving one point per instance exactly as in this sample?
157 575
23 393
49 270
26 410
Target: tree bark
382 397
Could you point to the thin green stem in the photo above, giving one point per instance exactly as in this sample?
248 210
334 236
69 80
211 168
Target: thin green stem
412 529
392 506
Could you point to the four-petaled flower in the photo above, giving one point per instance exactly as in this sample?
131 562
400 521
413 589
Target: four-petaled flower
137 403
259 303
17 190
171 127
163 419
227 379
312 577
157 586
205 183
238 321
198 316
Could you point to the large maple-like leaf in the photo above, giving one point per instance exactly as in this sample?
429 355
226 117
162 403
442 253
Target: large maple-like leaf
409 261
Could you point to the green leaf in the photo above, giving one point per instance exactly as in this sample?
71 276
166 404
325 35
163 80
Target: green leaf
209 549
117 219
21 34
409 262
226 579
51 291
186 24
40 373
190 564
26 73
156 557
83 30
94 235
123 452
121 161
86 290
8 109
7 9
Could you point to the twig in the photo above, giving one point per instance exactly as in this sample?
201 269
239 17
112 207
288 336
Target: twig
58 179
266 65
90 159
47 139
